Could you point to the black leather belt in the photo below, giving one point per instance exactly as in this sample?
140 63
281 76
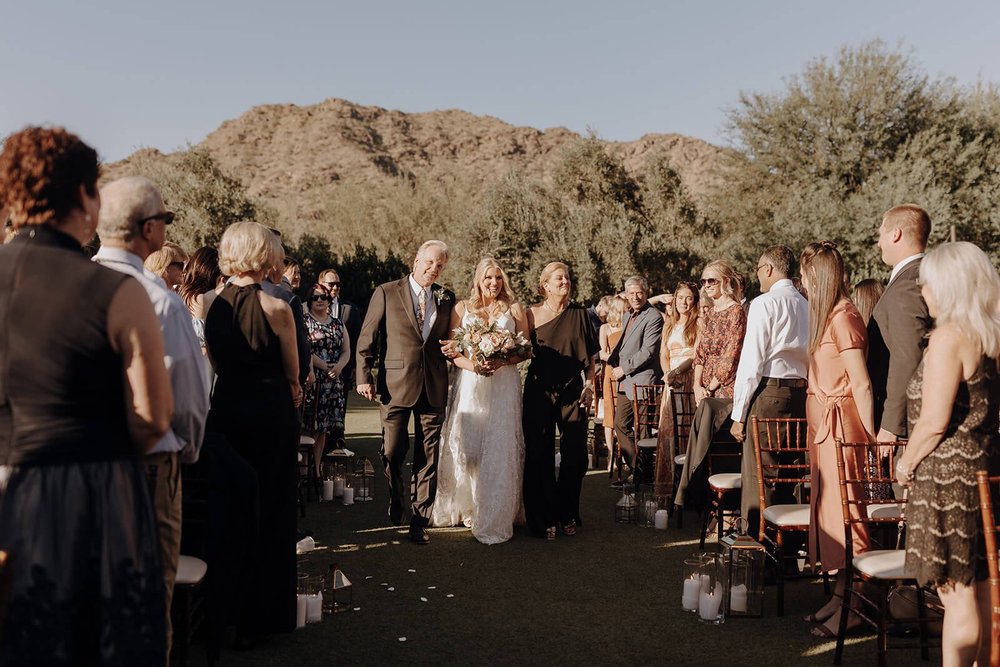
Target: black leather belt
788 383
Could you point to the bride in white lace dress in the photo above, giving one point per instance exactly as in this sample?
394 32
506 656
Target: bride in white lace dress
481 463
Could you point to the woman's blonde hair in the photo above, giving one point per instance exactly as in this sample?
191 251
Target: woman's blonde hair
247 247
731 280
616 311
822 264
865 295
966 290
477 301
547 272
673 317
158 261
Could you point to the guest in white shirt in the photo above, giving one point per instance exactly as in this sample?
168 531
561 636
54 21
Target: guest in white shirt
132 225
774 363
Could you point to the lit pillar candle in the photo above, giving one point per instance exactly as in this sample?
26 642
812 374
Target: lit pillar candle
709 603
301 602
689 599
738 599
348 495
327 489
314 608
661 519
338 487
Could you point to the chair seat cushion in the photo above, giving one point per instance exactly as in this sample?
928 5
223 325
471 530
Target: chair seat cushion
726 480
883 564
885 511
680 459
646 443
787 515
306 440
190 570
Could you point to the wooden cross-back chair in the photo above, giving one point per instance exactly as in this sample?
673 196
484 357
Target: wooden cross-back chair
861 470
724 485
646 401
990 527
684 408
782 465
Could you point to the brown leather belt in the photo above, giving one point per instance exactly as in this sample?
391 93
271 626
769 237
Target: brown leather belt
788 383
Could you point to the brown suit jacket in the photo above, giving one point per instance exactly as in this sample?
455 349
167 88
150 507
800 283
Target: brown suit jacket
896 341
389 338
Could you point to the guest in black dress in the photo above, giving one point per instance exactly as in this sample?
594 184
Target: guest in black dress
78 405
251 341
557 393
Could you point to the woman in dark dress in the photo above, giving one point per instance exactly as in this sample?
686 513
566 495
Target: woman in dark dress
557 393
326 400
953 433
251 341
78 405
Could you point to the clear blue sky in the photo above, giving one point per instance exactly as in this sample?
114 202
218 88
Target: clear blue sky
127 74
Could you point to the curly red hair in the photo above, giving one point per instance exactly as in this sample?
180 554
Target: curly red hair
41 171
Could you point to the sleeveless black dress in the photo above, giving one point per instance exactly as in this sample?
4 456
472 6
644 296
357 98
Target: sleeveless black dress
252 407
75 516
562 351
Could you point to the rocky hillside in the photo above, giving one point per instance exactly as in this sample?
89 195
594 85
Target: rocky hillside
294 156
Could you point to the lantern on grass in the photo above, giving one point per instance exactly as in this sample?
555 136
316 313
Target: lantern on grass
337 465
745 558
626 509
364 480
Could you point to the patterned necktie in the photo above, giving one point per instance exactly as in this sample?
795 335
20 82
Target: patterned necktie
421 310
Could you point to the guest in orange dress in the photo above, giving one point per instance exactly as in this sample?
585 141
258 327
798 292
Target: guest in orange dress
838 405
680 335
610 333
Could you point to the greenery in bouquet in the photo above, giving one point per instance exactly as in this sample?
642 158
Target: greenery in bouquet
484 342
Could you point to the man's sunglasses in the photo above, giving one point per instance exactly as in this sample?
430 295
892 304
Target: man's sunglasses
167 217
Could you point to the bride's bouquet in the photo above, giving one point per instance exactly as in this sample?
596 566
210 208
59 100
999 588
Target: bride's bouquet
484 342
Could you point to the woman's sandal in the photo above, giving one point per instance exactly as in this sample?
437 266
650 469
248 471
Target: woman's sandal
569 529
550 533
815 618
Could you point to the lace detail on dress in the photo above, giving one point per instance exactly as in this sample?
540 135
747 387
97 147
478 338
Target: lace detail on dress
481 461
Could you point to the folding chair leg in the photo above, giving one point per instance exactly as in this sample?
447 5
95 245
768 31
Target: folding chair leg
922 615
722 516
883 630
845 612
780 555
706 515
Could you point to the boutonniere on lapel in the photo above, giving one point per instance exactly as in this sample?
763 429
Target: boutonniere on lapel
441 296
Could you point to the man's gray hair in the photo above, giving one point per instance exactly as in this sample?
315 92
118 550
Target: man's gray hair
637 280
433 242
124 202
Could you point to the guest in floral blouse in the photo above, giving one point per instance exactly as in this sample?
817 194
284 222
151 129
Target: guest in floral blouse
715 362
325 402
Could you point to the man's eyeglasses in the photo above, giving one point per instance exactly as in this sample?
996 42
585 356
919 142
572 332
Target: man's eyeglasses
167 217
761 266
707 282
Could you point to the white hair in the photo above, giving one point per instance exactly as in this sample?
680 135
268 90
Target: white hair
432 243
966 289
637 280
124 202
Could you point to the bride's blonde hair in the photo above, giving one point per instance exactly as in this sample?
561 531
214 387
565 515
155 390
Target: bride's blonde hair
504 298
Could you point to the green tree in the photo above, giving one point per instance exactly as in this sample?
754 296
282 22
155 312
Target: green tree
846 140
205 199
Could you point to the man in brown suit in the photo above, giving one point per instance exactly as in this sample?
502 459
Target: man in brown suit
900 320
400 333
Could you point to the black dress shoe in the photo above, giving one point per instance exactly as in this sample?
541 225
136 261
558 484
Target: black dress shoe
418 535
